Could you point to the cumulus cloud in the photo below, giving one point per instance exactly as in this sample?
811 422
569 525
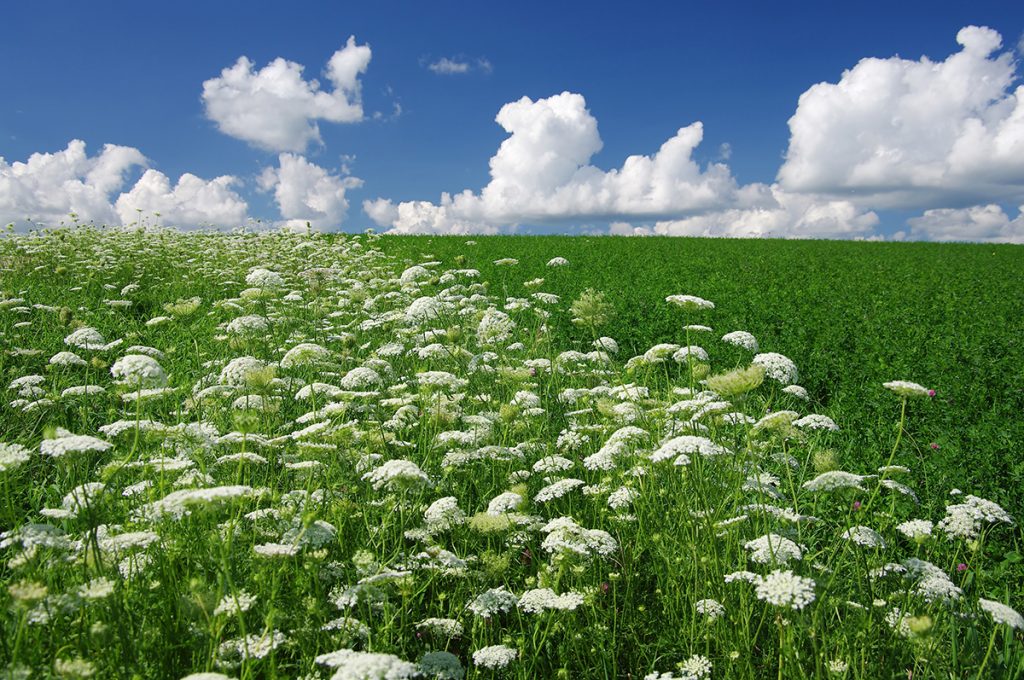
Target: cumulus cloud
895 133
191 202
50 186
307 193
276 109
986 223
790 216
542 172
448 66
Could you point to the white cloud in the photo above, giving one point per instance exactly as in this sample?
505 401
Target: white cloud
306 192
790 216
50 186
900 133
191 202
987 223
448 66
627 229
541 173
276 109
382 211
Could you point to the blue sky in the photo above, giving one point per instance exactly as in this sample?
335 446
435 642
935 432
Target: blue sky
133 74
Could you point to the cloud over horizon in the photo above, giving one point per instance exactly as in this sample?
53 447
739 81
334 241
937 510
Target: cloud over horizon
49 187
940 138
894 133
307 193
542 172
946 137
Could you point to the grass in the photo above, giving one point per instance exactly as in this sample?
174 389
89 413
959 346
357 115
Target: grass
351 467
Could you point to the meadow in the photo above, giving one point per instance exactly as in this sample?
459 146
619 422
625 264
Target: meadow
282 456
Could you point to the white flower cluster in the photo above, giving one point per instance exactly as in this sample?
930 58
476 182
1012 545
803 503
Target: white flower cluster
1002 614
905 388
836 479
180 503
785 589
773 549
816 421
690 302
305 354
424 309
557 489
448 628
566 538
495 657
443 514
89 338
139 370
916 529
679 448
237 372
264 278
396 474
493 602
777 367
712 609
349 664
504 502
251 324
12 456
965 520
361 378
495 327
540 600
67 443
864 536
741 339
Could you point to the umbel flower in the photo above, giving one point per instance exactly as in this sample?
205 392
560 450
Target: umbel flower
591 309
690 303
905 388
785 589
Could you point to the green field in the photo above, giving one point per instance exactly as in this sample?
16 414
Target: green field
277 456
850 314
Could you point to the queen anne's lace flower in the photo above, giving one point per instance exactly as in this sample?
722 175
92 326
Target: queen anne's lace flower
712 609
785 589
361 378
1002 614
395 474
495 327
741 339
777 367
264 278
495 656
864 536
353 665
12 456
557 489
493 602
836 479
544 599
139 370
773 549
690 302
964 520
443 514
905 388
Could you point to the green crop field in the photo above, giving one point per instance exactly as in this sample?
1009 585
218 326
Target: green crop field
282 456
